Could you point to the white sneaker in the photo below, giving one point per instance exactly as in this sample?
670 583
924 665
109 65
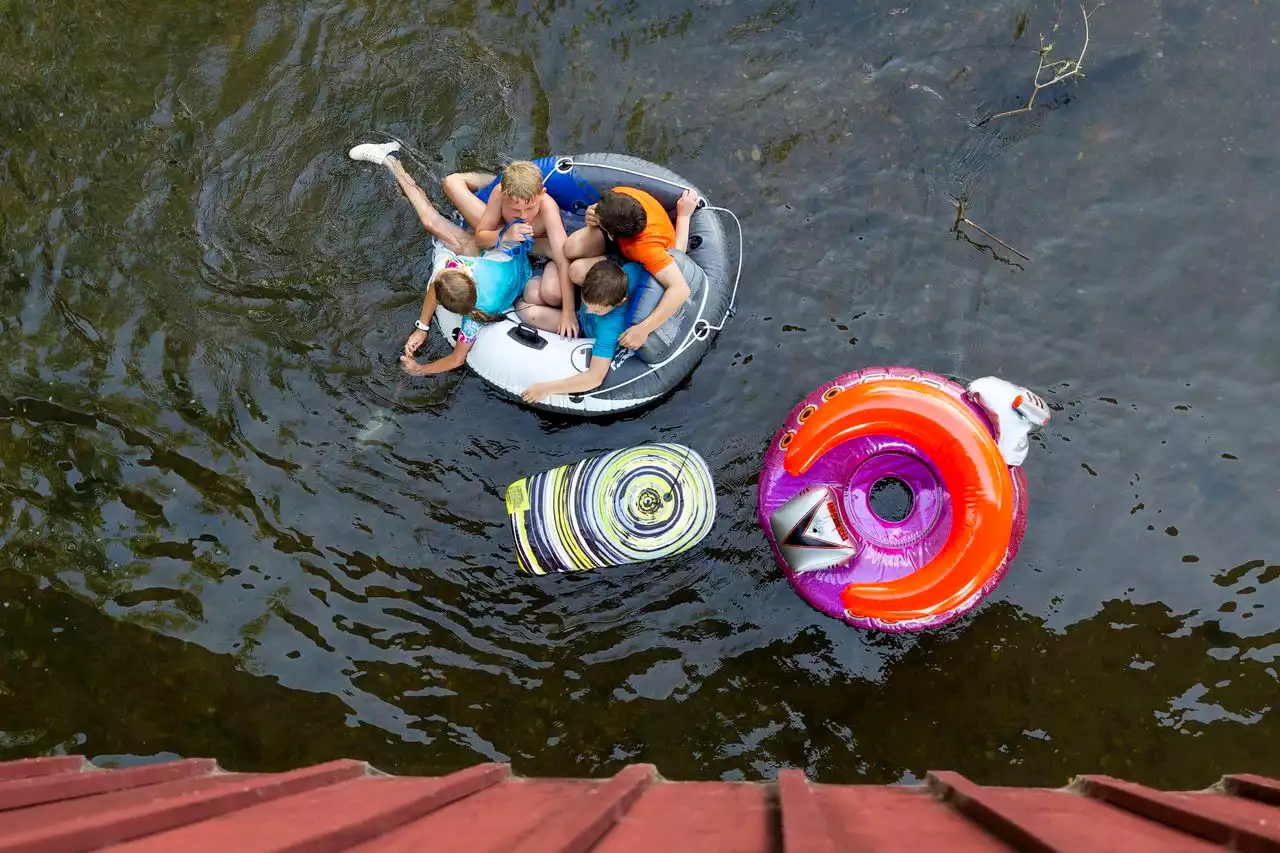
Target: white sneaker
372 153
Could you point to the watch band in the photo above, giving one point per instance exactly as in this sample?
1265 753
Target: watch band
420 326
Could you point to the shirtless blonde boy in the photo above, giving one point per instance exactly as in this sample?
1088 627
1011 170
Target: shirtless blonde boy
519 206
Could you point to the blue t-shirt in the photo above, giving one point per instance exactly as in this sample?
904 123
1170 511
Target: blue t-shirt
499 284
607 328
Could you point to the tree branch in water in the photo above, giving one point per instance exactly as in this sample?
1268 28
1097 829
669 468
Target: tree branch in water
1059 71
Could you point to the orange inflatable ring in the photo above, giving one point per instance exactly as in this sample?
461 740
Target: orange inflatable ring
965 505
969 463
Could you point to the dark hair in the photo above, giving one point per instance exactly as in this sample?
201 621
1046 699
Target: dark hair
605 284
621 214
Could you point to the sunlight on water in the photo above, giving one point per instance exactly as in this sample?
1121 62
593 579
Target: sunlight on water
230 527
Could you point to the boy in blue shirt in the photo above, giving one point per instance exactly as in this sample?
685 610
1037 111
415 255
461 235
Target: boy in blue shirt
605 314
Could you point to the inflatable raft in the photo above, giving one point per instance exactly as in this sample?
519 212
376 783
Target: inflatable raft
511 356
950 455
629 506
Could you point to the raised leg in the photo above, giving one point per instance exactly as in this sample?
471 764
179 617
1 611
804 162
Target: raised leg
578 269
458 240
584 243
461 189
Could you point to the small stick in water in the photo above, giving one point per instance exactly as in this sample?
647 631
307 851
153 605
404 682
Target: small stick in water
962 219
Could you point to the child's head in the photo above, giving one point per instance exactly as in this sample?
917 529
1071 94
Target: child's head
621 215
604 288
522 187
456 290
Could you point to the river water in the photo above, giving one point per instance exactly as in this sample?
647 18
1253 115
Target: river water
202 297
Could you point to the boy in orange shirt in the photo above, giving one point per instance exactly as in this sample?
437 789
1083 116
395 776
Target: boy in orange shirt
630 222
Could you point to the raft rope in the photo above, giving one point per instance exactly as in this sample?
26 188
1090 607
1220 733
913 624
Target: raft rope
702 328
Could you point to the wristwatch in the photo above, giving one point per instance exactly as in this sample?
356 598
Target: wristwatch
421 326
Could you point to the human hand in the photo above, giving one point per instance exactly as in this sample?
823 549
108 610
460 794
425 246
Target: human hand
535 393
687 204
633 338
568 327
415 342
516 234
592 221
411 366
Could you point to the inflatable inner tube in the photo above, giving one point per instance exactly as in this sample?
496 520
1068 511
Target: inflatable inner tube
511 356
961 512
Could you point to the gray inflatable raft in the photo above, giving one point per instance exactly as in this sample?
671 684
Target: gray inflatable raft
511 356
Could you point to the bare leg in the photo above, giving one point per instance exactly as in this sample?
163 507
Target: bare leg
459 241
534 310
550 290
584 243
578 269
461 189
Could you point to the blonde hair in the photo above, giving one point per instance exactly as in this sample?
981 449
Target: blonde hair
456 291
521 179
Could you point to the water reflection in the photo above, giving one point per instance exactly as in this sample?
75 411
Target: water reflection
202 299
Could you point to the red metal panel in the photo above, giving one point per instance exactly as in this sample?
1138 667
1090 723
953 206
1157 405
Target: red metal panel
99 831
21 793
1069 821
492 820
324 820
53 814
48 805
29 767
804 825
577 829
899 819
706 817
1220 822
1258 788
972 801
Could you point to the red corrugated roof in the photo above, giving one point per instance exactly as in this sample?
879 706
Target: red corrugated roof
66 804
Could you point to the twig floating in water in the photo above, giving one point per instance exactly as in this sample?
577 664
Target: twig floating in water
973 224
1061 70
962 219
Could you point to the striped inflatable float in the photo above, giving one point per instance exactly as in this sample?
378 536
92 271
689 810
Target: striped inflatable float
629 506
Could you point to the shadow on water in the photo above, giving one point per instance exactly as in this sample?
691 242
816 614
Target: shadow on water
791 704
204 551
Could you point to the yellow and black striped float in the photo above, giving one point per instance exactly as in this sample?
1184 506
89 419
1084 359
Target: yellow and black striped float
628 506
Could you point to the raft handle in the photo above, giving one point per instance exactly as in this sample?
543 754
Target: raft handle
527 335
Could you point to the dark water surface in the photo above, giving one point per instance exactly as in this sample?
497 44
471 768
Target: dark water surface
202 296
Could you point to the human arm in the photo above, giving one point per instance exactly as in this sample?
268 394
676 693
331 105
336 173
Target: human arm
490 224
685 207
490 231
452 361
675 293
419 336
556 236
587 380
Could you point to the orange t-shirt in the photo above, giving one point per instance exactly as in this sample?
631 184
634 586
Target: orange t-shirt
649 247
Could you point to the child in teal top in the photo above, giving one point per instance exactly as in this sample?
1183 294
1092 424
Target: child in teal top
479 287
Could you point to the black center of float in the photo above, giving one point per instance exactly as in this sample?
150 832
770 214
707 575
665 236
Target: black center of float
649 501
891 499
